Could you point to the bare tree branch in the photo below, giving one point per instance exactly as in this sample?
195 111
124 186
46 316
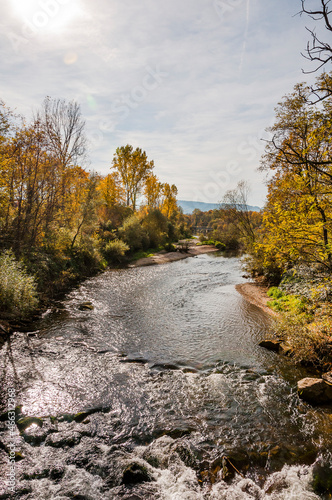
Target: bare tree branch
64 128
318 51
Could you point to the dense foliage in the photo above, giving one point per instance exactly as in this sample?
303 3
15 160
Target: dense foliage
297 225
61 222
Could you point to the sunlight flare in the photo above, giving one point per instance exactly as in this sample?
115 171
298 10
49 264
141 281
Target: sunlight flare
47 15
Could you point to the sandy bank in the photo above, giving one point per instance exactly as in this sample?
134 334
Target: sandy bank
164 257
256 294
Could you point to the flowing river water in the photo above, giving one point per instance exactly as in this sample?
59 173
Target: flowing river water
159 392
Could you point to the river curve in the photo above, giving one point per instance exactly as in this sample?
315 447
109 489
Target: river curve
159 390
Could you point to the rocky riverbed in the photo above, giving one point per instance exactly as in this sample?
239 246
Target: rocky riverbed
158 390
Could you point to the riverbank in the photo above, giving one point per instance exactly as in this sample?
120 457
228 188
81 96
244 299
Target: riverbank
256 294
137 394
303 328
164 257
8 324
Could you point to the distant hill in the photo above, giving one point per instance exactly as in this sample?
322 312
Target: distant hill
189 206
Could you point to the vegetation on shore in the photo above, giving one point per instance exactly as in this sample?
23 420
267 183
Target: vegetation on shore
303 302
288 244
60 222
291 247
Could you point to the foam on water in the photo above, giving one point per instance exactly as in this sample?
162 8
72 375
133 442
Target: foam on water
130 361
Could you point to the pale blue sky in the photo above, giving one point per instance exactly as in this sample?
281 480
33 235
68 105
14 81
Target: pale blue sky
193 82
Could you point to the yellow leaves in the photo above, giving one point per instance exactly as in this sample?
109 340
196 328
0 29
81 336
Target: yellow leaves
152 191
169 206
111 191
133 168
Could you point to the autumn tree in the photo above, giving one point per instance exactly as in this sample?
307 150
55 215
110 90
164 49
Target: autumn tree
169 206
86 200
152 191
28 183
64 129
111 190
319 51
297 217
133 168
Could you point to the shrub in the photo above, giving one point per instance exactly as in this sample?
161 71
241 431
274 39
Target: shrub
84 259
308 340
169 247
132 233
156 226
18 295
115 251
219 245
286 303
275 292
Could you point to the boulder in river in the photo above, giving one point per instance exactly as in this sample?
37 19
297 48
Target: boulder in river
271 345
25 422
285 349
5 329
86 306
314 390
136 473
322 478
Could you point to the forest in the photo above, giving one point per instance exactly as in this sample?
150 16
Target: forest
59 221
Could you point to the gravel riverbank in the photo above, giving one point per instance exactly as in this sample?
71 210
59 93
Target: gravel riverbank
256 294
164 257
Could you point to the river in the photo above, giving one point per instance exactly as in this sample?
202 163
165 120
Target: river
181 403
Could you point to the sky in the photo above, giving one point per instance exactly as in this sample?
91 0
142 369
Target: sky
194 83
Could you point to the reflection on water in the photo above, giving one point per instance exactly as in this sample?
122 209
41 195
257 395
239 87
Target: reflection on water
168 365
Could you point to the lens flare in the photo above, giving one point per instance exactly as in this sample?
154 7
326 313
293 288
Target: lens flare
47 15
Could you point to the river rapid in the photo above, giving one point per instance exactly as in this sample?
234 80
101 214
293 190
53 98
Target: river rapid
158 389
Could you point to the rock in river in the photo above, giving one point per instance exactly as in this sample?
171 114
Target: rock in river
314 390
272 345
86 306
136 473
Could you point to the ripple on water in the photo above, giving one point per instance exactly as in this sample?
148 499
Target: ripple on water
168 367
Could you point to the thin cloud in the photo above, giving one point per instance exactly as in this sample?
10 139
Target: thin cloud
220 76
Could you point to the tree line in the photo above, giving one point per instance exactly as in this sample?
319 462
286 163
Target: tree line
295 225
61 220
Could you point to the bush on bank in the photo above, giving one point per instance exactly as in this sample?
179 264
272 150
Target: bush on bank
305 321
216 243
18 290
115 251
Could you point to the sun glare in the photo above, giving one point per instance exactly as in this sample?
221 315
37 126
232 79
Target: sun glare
47 15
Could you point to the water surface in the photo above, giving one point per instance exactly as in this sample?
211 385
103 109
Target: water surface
169 365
